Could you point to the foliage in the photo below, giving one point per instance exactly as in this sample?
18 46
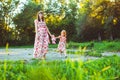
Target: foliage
85 20
7 9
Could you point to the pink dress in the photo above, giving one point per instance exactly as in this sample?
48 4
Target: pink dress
41 42
62 44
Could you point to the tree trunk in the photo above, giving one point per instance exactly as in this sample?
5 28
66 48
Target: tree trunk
99 37
111 36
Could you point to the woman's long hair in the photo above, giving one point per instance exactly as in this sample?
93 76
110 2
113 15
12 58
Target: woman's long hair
40 12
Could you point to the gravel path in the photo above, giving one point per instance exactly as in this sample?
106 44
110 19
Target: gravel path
27 54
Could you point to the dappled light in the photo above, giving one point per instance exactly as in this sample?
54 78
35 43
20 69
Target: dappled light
59 39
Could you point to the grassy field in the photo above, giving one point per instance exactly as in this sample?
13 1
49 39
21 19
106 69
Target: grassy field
95 48
107 68
99 46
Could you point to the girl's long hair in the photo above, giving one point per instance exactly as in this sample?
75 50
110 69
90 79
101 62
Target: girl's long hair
40 12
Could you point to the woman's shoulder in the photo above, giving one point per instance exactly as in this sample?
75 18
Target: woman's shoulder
35 21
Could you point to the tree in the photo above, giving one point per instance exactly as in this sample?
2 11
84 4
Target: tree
101 15
6 14
24 23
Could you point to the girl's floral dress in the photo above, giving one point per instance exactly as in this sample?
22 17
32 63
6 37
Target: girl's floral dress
62 44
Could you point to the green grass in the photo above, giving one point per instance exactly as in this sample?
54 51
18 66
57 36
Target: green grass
107 46
10 70
30 46
107 68
93 53
95 48
99 46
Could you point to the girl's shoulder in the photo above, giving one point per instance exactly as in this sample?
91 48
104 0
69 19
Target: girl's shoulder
63 37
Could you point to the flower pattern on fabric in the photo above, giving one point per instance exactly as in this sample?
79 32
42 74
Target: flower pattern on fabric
41 40
62 44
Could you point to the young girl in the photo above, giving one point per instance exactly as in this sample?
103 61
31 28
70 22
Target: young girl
62 43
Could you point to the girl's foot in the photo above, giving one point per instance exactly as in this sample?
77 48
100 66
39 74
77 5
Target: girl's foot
61 55
65 56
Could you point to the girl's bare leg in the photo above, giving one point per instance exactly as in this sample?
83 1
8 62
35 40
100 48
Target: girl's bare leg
65 54
60 53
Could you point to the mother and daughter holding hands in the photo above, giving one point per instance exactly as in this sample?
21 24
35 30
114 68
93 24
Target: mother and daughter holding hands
42 38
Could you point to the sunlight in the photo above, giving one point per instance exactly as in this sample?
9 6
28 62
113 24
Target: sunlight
112 0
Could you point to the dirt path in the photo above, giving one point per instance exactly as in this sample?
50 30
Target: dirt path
27 54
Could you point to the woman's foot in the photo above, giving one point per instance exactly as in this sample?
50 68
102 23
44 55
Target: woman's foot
60 55
44 56
41 58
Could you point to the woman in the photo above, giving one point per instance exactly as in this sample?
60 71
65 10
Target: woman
41 37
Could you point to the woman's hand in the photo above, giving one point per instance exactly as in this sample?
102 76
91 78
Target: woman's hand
52 36
53 39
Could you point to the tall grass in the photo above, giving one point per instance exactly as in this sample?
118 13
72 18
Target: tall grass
106 68
12 70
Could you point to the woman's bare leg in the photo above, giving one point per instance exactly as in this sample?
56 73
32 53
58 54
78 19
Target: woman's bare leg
44 56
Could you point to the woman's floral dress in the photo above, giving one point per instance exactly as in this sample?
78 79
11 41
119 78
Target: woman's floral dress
41 40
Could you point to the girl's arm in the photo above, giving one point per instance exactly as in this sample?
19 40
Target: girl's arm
57 37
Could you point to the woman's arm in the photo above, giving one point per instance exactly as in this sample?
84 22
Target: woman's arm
35 22
48 31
